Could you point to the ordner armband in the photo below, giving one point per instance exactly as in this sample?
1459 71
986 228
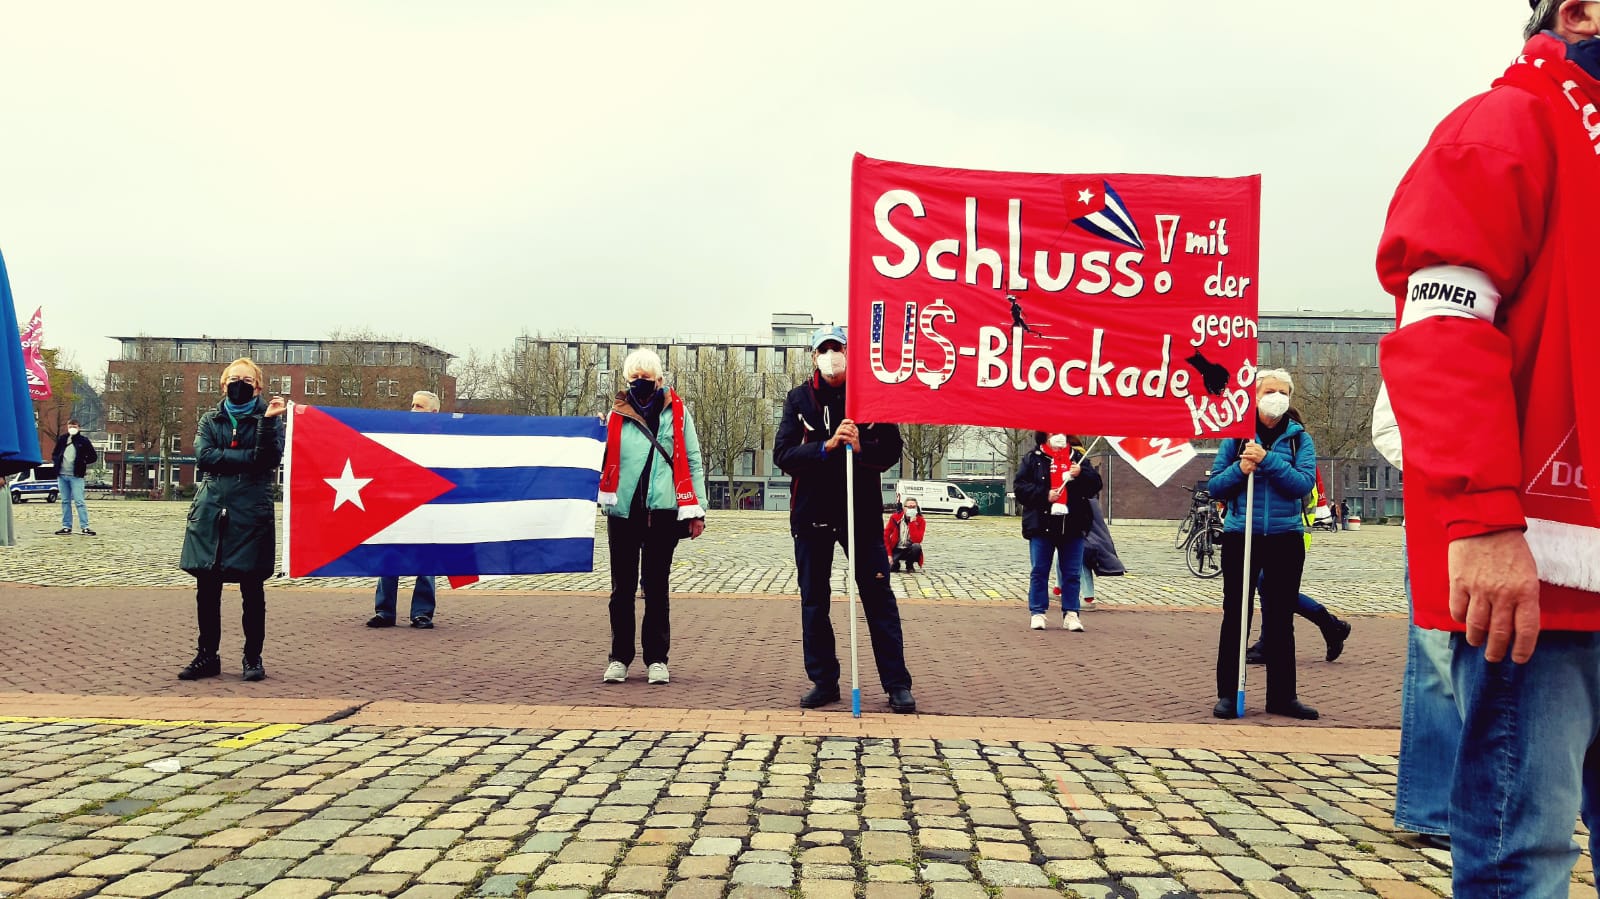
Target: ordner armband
1449 291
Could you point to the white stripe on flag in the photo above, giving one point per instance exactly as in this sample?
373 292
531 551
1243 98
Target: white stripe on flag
464 451
533 519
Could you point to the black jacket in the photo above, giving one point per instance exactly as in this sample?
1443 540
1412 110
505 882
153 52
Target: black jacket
811 412
231 530
86 454
1032 489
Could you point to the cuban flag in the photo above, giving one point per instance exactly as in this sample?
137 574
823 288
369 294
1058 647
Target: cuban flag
1097 209
373 493
1156 458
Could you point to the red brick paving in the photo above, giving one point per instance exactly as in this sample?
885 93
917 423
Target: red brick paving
728 653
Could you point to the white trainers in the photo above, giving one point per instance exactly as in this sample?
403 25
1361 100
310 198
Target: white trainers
616 673
656 673
1070 621
1037 623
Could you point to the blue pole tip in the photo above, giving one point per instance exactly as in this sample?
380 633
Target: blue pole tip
1238 709
855 702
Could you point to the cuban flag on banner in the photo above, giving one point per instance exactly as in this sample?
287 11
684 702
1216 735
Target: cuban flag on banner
373 493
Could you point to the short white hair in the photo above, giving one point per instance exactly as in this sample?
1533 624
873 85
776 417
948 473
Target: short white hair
642 364
1276 374
430 396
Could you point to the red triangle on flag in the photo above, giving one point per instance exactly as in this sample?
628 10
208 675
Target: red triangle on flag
325 521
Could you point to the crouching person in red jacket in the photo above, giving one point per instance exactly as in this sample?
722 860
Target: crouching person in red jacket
1489 253
902 537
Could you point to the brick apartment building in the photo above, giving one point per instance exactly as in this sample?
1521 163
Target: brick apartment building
158 387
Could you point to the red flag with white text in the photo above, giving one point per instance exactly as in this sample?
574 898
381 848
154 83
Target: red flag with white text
33 357
1100 304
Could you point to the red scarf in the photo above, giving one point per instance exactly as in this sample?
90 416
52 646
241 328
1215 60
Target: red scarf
1565 86
682 480
1060 468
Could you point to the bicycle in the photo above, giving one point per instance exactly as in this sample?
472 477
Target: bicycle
1197 514
1203 555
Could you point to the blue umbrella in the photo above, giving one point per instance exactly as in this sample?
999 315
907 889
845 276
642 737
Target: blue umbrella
19 437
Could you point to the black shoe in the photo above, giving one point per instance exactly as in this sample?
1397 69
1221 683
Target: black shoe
422 622
1225 709
205 664
1336 636
86 532
820 696
895 567
64 532
1254 655
1294 708
253 669
380 621
1434 841
901 702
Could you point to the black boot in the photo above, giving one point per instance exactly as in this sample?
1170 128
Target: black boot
1255 655
1294 708
206 664
253 669
1335 635
820 696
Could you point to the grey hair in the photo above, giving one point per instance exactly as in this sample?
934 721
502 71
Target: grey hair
433 398
642 364
1277 374
1543 18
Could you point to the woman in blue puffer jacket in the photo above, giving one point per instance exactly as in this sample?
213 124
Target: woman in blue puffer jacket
1284 462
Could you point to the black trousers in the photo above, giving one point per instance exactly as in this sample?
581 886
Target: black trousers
813 556
910 554
641 554
208 608
1277 560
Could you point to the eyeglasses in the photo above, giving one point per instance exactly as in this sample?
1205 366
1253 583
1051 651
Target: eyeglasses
245 378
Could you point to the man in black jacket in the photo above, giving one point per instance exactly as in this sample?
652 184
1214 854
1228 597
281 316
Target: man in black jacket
813 440
72 457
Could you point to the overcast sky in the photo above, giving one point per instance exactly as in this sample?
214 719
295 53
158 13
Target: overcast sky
459 172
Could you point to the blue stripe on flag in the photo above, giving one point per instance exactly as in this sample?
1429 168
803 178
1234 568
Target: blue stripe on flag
499 485
508 557
383 421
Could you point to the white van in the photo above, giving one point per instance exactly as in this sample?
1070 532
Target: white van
937 496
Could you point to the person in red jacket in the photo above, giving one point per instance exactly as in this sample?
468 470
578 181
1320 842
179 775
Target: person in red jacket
902 537
1488 251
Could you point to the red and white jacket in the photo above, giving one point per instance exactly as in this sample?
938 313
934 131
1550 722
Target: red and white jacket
1477 252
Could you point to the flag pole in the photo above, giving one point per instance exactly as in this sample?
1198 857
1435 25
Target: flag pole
288 482
1249 586
849 577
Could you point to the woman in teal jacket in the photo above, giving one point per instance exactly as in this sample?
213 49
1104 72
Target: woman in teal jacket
653 460
1284 462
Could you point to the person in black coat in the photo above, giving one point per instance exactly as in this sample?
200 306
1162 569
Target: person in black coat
231 537
72 457
814 439
1055 522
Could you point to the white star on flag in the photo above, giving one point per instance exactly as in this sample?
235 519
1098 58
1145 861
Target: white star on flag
1086 196
347 488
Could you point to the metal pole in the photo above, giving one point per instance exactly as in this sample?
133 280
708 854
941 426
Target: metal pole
1249 585
849 577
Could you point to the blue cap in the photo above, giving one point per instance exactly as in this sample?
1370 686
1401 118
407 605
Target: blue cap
826 333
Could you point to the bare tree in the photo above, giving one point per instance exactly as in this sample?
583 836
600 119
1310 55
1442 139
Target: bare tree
1334 396
147 393
1007 444
552 376
729 402
927 445
52 414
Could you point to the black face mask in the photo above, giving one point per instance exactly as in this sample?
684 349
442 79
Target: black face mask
643 390
240 392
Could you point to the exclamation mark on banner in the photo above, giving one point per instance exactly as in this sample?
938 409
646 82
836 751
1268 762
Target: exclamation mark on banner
1166 236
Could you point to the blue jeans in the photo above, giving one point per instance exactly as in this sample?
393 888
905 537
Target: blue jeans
1087 578
1430 731
71 490
1070 567
1528 763
421 596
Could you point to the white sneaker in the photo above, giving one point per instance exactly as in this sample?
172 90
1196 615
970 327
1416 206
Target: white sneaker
1070 622
656 673
616 673
1037 623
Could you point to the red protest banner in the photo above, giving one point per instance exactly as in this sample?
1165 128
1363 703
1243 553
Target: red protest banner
1102 304
33 357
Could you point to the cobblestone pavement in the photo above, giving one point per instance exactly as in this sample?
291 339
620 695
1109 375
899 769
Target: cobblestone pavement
197 812
745 553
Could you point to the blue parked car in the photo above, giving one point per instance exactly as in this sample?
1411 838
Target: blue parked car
36 483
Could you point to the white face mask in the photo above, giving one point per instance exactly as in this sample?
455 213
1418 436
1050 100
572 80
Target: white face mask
831 364
911 511
72 431
1058 441
1273 405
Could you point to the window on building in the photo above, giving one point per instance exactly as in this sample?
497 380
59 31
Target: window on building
572 355
1367 354
204 384
1264 354
177 443
1386 472
1369 477
402 355
194 352
285 385
114 443
316 387
746 466
1291 354
114 381
267 354
114 413
749 358
349 386
1394 507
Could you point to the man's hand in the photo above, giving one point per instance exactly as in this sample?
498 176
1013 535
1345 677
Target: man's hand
846 433
1074 471
1494 590
1057 494
697 526
276 407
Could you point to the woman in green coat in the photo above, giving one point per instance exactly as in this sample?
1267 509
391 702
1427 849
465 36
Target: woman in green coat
231 538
